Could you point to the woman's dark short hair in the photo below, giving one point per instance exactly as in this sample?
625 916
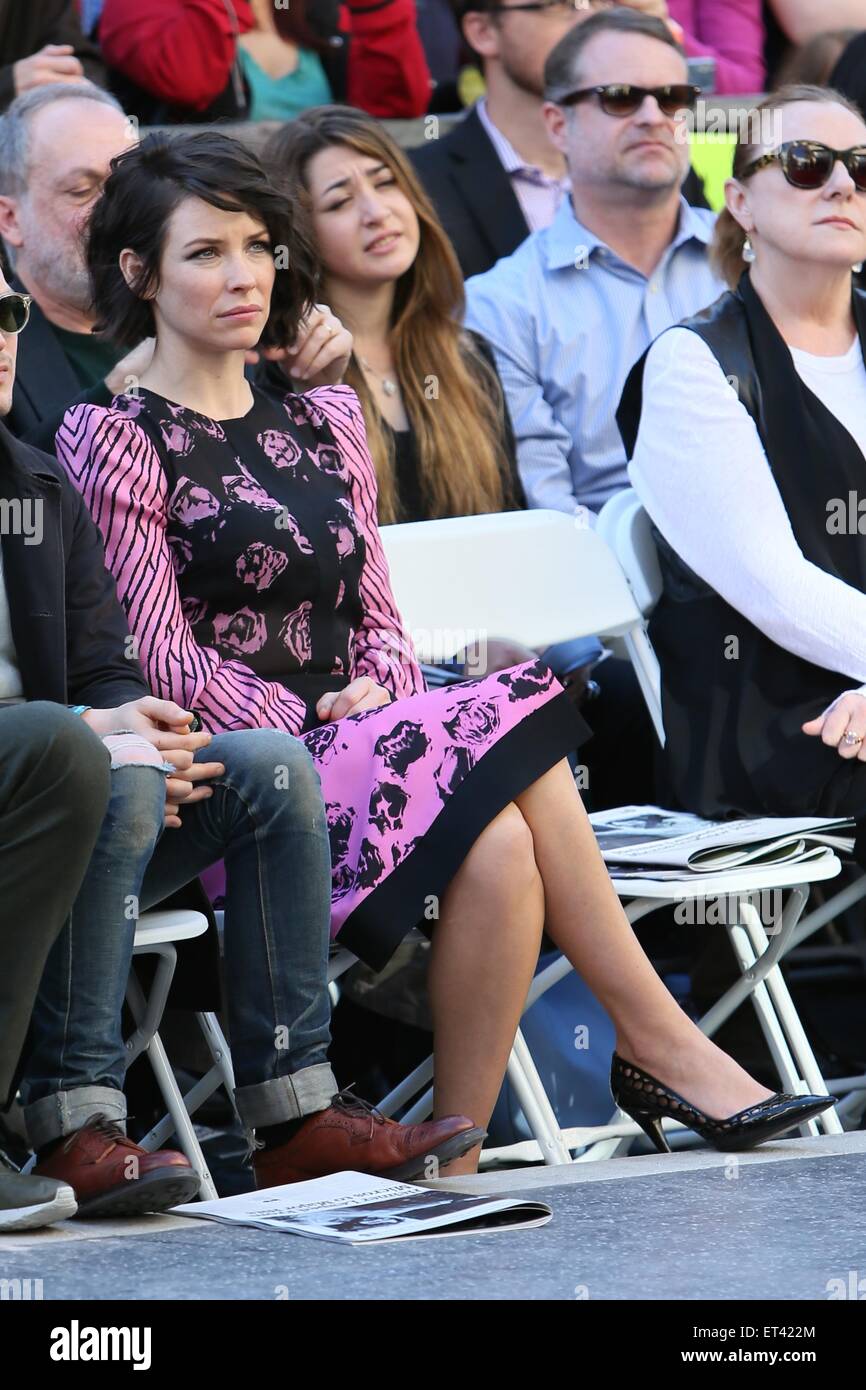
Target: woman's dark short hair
145 186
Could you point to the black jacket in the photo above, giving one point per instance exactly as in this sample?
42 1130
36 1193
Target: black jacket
45 383
70 637
67 624
27 27
474 198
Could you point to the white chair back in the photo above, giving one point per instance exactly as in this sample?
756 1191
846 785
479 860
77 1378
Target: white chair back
626 527
536 577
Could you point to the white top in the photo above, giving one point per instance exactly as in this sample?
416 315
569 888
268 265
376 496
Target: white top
10 677
701 472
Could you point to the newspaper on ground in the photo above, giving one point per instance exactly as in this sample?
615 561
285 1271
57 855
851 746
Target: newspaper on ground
355 1209
677 844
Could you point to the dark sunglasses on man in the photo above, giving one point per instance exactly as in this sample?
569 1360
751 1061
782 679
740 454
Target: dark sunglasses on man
623 99
809 164
14 312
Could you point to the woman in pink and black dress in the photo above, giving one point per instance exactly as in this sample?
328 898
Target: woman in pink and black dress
242 535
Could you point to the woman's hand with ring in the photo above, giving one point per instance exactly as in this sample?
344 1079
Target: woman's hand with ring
320 353
842 726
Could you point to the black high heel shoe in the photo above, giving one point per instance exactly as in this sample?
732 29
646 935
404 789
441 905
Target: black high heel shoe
647 1101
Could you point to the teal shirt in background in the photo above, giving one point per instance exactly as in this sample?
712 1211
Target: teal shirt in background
282 98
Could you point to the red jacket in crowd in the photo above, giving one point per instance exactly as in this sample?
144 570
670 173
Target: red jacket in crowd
182 51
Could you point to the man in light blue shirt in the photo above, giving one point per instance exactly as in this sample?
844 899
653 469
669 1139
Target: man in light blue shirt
625 257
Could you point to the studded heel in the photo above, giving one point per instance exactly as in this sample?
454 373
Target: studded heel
647 1101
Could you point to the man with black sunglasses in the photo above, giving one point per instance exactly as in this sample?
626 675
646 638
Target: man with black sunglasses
625 257
496 176
570 311
53 797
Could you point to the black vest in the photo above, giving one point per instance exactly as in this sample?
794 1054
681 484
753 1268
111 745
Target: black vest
733 700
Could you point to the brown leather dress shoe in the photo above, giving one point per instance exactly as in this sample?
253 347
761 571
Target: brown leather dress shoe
112 1176
352 1136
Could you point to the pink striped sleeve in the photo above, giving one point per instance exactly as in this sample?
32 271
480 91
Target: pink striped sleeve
382 648
115 467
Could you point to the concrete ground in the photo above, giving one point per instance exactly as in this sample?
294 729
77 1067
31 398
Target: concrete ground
782 1222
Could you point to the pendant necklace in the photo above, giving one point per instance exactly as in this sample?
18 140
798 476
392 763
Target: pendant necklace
389 385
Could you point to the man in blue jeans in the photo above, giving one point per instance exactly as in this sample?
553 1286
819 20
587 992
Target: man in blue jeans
177 802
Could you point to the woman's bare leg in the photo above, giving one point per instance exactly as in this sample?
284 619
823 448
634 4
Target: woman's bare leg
586 921
485 950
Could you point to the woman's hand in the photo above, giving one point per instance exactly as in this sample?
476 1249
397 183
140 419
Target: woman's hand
842 726
161 722
187 787
320 354
54 62
358 695
164 724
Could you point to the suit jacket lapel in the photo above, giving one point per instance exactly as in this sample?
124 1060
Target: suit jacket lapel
44 376
485 187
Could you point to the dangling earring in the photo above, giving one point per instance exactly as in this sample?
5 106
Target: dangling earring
748 252
857 267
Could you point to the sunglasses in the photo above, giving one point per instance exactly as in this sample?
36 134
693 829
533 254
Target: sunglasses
622 99
14 312
809 164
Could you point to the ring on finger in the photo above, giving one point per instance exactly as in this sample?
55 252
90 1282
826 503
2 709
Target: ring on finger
852 739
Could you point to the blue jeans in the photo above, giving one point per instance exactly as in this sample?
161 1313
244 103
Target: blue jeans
266 819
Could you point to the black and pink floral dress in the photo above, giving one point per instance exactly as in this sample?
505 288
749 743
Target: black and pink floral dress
248 559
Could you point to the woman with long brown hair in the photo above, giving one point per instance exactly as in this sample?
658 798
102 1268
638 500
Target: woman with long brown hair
436 418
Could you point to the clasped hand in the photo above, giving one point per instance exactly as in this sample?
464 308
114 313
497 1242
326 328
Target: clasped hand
357 696
166 726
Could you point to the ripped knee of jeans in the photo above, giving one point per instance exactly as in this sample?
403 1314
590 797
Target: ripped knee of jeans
128 749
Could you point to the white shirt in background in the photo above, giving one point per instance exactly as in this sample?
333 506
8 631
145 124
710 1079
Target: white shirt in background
700 471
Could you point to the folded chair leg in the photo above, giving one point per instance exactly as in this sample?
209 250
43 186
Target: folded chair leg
533 1101
178 1115
788 1019
222 1072
408 1087
181 1124
783 1060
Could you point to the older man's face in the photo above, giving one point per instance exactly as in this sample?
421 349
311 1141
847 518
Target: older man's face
71 146
8 358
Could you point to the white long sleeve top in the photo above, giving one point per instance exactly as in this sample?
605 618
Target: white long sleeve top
701 472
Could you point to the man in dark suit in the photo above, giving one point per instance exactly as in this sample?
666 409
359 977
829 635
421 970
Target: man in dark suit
496 176
63 650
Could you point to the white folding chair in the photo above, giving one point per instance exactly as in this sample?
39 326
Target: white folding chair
157 934
539 577
626 527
